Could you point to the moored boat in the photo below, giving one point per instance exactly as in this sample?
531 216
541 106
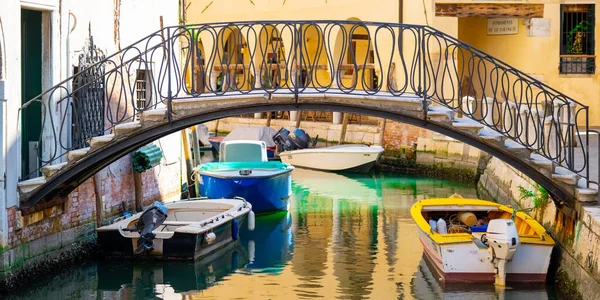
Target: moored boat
181 230
477 241
243 170
342 158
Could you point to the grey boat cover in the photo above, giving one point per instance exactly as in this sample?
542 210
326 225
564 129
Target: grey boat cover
253 133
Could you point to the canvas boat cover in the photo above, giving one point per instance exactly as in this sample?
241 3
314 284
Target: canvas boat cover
254 133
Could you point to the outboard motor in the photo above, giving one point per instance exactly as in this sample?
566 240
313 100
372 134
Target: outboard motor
302 138
282 138
503 240
151 218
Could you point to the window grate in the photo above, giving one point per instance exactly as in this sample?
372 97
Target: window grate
577 55
141 87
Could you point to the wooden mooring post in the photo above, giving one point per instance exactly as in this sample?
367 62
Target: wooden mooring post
344 127
139 191
188 163
98 193
268 119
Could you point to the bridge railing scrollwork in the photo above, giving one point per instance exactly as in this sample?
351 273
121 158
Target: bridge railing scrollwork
316 57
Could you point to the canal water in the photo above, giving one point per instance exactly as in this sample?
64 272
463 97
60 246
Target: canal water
344 236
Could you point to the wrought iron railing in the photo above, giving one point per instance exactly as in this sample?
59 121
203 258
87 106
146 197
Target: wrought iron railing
315 57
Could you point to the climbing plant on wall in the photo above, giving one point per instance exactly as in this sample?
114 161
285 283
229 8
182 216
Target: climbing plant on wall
575 38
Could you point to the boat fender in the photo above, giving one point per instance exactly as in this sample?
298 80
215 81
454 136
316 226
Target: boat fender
210 237
235 230
251 221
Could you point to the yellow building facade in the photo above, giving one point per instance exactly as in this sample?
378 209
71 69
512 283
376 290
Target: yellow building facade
553 41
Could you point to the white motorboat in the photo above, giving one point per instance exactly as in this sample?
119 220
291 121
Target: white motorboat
348 158
180 230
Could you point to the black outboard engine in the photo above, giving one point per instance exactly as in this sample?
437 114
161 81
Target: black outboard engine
151 218
282 138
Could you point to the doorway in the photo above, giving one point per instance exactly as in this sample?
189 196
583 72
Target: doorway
31 86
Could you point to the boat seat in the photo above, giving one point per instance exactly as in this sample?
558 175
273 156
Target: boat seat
178 223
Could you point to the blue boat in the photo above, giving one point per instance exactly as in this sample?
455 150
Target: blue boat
244 171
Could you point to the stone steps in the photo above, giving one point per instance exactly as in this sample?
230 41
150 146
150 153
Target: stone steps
50 170
27 186
439 114
468 125
127 128
545 166
75 155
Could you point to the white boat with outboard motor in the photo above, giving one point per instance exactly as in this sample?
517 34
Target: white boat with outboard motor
299 151
180 230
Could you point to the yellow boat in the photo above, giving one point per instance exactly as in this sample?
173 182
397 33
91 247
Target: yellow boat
511 247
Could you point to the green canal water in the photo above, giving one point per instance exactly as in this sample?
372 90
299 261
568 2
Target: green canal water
344 237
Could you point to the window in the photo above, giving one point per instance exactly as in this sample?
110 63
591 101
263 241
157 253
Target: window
577 55
350 58
142 91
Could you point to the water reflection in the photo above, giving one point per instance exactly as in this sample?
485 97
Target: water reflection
345 236
426 286
270 246
124 279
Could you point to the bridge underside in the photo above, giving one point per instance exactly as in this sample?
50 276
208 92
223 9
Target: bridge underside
154 124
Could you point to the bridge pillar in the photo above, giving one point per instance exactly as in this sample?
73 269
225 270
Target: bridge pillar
213 80
337 117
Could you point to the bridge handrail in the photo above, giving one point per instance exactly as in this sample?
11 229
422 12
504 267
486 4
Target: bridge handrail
412 61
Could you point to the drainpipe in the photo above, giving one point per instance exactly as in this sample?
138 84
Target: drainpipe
400 10
69 74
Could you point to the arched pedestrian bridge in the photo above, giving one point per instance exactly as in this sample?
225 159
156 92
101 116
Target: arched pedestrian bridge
185 75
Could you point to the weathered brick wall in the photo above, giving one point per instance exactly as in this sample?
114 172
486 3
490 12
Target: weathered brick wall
401 135
32 236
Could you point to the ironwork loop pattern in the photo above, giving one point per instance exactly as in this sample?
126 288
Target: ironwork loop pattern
313 57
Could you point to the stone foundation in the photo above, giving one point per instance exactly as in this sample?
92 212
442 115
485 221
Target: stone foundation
575 231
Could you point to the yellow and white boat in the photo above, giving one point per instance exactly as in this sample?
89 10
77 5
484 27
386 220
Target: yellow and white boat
512 247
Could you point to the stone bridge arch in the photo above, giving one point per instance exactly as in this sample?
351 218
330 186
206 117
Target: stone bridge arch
533 127
190 112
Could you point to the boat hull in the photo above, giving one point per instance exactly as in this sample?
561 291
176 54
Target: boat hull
467 263
181 246
360 159
265 193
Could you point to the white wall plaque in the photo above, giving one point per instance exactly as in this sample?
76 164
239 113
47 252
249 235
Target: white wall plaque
500 26
538 27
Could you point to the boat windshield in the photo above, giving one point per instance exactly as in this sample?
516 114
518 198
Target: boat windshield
228 166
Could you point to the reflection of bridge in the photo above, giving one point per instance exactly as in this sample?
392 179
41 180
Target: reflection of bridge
409 73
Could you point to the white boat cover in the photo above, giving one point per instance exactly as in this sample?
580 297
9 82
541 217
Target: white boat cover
253 133
202 131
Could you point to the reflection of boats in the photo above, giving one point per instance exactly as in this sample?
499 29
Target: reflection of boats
347 158
181 230
270 245
244 171
513 247
425 285
338 186
253 133
181 276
